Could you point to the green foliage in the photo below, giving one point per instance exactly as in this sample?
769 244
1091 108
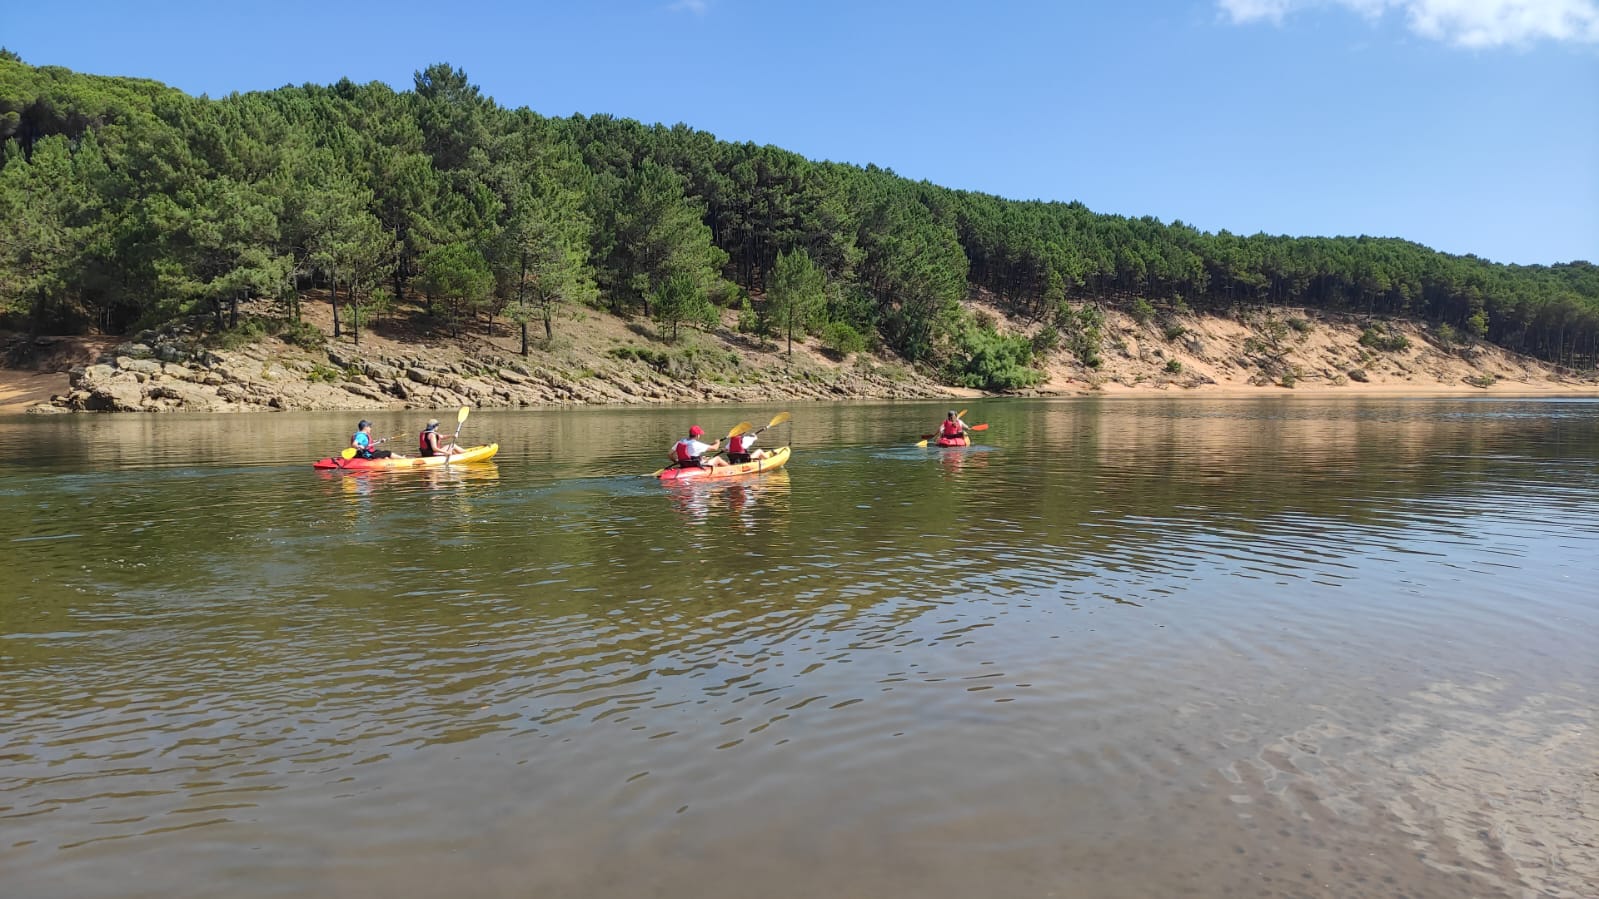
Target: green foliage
798 295
123 201
1081 330
1477 324
1172 330
1301 325
842 339
1385 339
458 275
681 301
325 374
1174 366
1448 335
253 329
749 322
1046 340
988 360
302 334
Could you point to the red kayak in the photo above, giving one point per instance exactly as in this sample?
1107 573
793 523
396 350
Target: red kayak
953 441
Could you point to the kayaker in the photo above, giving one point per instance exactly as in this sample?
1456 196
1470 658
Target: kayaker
430 443
740 449
363 443
952 427
690 451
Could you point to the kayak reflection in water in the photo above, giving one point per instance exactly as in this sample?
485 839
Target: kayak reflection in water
429 443
690 451
363 443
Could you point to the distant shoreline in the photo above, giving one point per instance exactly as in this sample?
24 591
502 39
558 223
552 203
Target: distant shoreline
602 360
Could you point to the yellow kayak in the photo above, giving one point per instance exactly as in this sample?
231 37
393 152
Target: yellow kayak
470 454
776 460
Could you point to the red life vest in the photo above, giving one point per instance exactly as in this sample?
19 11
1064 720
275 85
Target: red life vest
680 452
736 444
422 444
950 428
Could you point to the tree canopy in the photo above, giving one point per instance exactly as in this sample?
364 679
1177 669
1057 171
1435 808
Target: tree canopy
124 202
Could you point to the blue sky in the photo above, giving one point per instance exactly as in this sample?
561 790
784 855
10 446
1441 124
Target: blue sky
1471 126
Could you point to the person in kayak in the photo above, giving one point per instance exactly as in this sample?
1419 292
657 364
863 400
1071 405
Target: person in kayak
690 451
363 443
952 427
741 449
430 443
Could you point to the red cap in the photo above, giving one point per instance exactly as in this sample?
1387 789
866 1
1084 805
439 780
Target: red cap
695 431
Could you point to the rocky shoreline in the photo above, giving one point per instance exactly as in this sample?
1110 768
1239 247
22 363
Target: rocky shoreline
169 371
605 361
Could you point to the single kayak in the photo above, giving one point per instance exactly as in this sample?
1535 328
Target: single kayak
470 454
775 461
953 441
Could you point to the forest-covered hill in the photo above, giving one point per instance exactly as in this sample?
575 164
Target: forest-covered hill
125 203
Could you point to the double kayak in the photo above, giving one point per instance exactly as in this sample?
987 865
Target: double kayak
776 460
470 454
953 441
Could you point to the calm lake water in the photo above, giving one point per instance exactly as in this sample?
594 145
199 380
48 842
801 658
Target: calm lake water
1283 647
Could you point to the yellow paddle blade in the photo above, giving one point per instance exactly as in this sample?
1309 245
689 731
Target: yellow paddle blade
778 419
349 453
742 427
460 417
922 444
961 414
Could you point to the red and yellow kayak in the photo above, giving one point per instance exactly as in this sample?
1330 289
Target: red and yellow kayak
953 441
470 454
776 460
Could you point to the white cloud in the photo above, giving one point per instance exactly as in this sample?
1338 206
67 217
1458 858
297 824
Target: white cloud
1464 23
697 7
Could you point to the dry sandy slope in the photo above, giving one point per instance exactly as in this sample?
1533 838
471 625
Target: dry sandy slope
1301 351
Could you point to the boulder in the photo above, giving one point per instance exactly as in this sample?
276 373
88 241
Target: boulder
378 371
115 396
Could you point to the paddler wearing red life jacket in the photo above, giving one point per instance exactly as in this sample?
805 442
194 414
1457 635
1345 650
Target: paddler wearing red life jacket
429 443
690 451
952 426
741 449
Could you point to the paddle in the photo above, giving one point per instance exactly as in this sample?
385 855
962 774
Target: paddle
922 444
777 419
744 426
460 419
981 427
